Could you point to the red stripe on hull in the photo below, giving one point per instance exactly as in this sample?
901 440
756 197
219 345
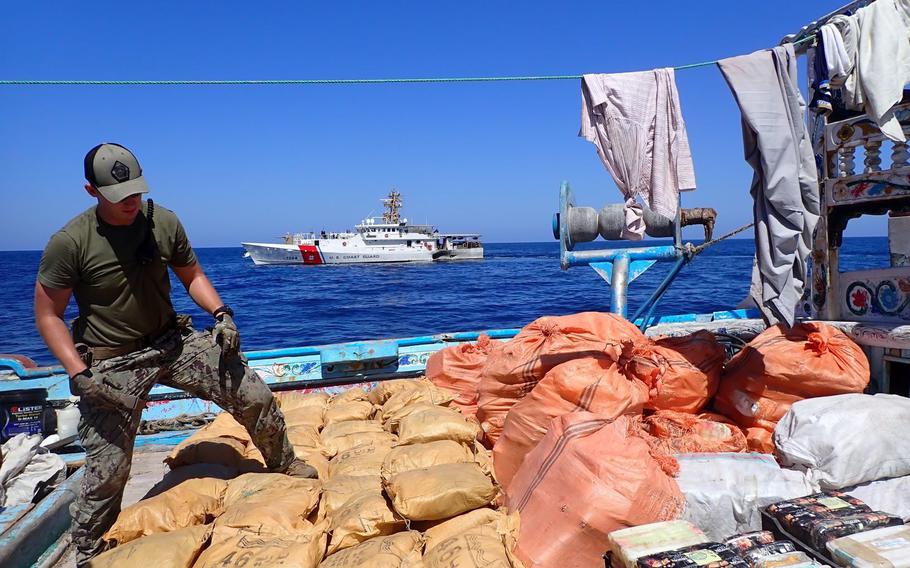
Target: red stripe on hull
310 254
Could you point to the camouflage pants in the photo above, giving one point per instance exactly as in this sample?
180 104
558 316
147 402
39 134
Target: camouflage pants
182 359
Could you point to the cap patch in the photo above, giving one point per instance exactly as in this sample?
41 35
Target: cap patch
120 172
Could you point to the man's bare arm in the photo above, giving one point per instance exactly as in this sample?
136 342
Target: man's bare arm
50 304
198 286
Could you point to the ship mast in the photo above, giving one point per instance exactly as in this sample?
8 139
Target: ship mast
392 203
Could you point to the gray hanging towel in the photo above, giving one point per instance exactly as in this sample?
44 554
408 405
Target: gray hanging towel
635 121
785 184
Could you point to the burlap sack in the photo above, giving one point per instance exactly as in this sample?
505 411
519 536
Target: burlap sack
459 367
225 451
354 410
471 550
314 458
441 491
350 395
486 521
385 389
365 459
193 502
305 436
312 416
417 456
342 436
400 550
253 461
350 427
361 519
422 391
175 549
339 490
437 423
266 506
232 548
264 487
484 458
296 399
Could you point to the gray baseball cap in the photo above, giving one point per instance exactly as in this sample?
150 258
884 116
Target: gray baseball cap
114 171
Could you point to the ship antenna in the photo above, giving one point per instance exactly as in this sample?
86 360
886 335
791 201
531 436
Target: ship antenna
393 203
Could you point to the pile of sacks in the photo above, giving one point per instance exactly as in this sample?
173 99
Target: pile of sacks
585 404
402 482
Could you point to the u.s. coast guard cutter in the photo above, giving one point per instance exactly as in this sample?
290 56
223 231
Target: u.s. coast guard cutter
389 238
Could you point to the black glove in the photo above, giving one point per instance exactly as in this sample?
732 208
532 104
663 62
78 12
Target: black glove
226 335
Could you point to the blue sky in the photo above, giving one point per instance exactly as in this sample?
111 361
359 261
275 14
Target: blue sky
250 163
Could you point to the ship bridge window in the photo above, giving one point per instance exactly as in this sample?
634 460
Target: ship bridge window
409 243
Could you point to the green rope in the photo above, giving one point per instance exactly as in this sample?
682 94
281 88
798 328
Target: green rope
287 81
10 82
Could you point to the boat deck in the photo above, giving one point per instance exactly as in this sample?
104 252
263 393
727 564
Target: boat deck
149 476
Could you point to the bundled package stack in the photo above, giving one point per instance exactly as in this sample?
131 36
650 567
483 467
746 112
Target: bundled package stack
403 483
678 544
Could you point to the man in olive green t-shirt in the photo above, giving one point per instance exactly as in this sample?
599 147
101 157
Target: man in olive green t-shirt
114 259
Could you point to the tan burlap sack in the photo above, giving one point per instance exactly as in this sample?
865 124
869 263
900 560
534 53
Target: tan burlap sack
315 458
193 502
175 549
365 459
385 389
232 548
361 519
441 491
281 511
350 395
253 461
484 458
294 399
304 435
226 451
354 410
350 427
471 550
485 521
422 391
417 456
339 490
400 550
264 487
342 436
437 423
312 416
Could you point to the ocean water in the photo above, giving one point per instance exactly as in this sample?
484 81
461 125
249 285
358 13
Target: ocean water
287 306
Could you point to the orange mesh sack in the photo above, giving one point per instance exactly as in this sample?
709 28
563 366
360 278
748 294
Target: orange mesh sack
780 367
682 372
586 478
593 384
683 433
513 370
458 369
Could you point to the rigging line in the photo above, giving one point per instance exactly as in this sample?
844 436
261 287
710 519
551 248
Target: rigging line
184 82
692 251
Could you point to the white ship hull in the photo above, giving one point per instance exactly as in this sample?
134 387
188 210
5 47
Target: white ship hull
330 253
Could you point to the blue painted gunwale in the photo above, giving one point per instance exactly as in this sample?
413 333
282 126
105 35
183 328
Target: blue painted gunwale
325 367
